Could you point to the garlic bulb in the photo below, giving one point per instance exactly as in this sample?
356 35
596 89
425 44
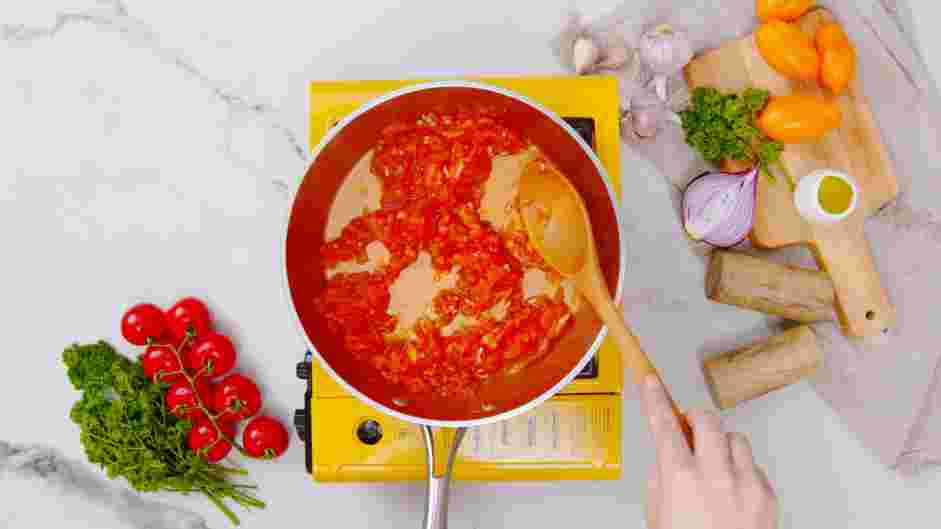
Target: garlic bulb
665 51
646 115
585 53
719 208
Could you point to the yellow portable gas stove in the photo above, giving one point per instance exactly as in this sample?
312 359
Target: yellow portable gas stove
574 436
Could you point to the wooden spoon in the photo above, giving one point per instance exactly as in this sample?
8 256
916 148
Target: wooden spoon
559 227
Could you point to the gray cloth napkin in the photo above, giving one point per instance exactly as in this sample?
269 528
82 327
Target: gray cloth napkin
886 390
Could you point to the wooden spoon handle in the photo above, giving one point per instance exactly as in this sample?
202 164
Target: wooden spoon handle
634 357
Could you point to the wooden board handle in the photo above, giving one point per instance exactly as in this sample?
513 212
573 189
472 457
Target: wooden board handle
635 358
862 302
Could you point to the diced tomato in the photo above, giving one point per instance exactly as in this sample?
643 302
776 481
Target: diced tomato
433 170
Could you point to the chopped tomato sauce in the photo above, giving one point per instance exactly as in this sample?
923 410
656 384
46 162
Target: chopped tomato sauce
433 172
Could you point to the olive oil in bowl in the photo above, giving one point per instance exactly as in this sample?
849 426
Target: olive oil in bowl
835 194
826 196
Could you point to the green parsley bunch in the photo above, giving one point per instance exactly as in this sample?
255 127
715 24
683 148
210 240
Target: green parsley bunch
722 127
127 430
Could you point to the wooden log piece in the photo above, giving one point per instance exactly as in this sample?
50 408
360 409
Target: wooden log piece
798 294
758 369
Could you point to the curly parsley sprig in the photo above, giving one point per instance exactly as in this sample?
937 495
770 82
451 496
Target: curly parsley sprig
125 428
722 127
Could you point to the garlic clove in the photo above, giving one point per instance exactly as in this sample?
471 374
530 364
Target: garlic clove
648 121
628 134
659 86
617 55
585 54
574 26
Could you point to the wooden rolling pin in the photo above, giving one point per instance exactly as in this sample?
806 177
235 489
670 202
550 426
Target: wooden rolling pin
798 294
760 368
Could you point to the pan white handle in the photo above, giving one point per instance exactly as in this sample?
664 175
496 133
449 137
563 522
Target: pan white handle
436 510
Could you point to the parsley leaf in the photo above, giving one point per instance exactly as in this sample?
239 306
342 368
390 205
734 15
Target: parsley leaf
722 127
126 429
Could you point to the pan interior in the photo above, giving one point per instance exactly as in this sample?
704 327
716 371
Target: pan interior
306 275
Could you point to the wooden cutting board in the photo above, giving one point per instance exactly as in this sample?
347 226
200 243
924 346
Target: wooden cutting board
856 148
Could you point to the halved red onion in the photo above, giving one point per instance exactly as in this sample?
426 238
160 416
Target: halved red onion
719 208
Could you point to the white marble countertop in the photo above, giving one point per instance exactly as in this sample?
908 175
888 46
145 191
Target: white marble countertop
149 150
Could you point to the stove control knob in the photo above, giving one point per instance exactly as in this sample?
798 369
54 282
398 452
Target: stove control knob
300 424
369 432
303 370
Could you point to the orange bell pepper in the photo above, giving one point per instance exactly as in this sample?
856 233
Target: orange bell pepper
788 10
837 57
799 118
788 50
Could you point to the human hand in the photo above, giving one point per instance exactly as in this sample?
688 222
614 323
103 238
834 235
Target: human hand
717 487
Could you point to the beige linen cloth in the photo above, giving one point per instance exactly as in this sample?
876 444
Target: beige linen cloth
886 390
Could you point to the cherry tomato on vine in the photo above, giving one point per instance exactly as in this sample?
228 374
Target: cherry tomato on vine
143 323
235 398
159 360
188 315
265 437
214 350
204 439
181 398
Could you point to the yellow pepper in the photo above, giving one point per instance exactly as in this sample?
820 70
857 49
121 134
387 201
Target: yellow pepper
788 50
799 118
837 57
788 10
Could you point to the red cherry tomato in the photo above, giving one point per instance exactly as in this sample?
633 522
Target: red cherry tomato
143 323
265 437
214 350
189 315
204 439
235 398
159 360
181 399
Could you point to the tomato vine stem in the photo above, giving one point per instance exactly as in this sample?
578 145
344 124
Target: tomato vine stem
200 405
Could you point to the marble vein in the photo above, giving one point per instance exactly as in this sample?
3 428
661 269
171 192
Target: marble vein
35 470
113 15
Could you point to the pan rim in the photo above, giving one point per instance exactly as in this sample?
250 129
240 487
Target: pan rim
589 353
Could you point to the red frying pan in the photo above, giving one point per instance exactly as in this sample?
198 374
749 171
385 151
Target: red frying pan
503 396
